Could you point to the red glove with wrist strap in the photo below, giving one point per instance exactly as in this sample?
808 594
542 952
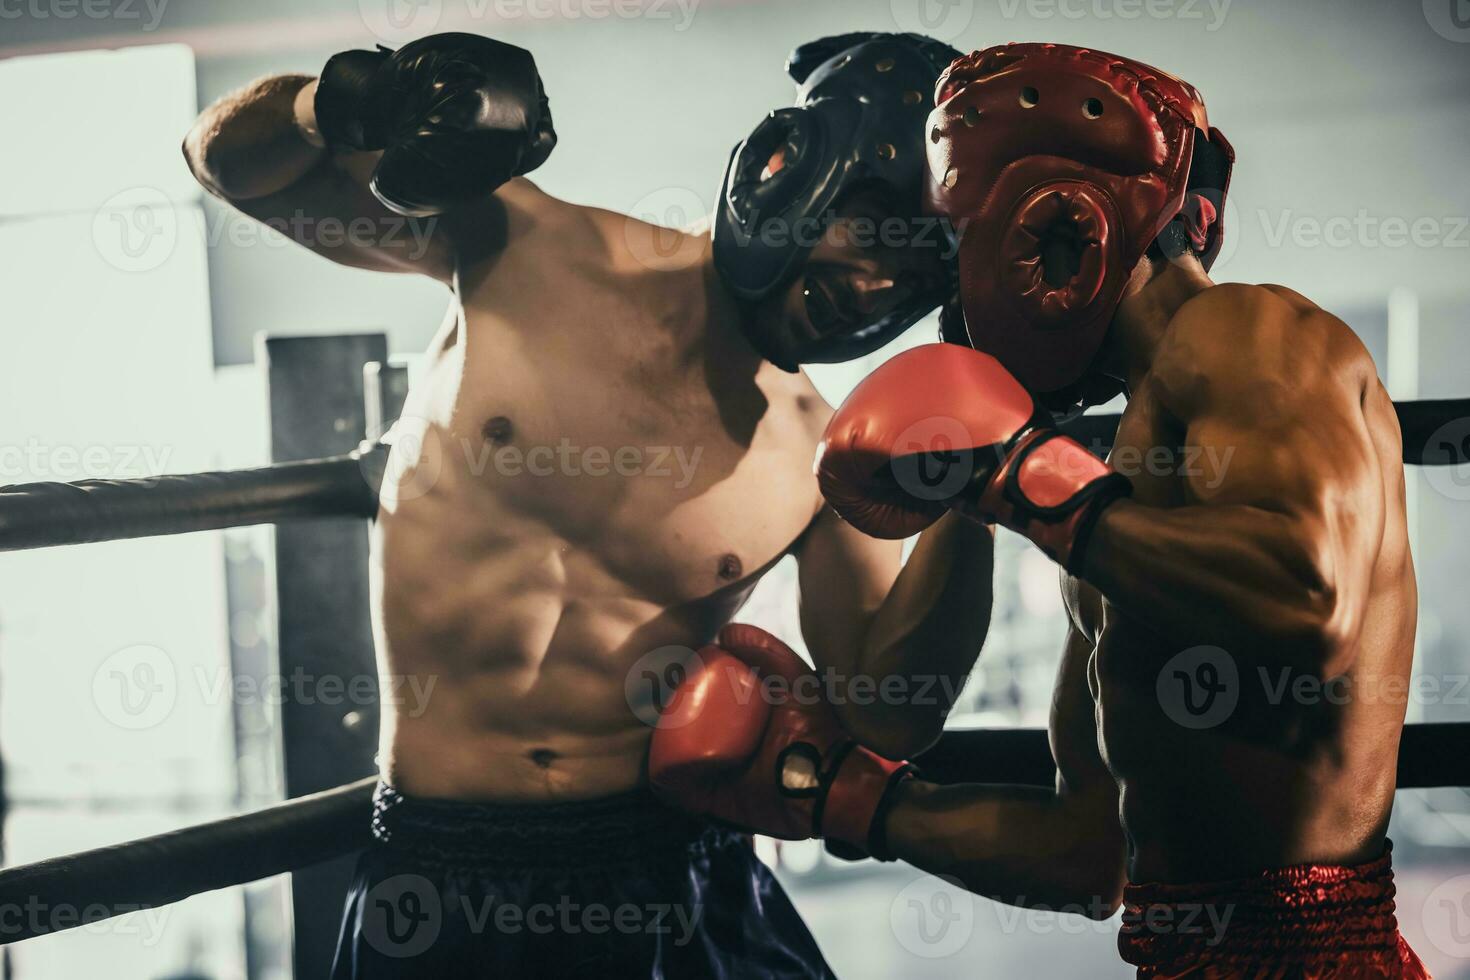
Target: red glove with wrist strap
946 427
747 739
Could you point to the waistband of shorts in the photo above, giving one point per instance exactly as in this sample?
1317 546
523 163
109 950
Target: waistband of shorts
1301 913
630 828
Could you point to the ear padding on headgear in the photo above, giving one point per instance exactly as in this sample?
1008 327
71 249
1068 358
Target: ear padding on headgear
802 138
1199 226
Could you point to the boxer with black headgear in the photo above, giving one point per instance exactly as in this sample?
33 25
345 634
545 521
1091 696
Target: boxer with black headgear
839 166
592 472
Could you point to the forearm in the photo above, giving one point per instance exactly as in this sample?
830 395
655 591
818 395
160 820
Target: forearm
1251 580
251 143
1023 846
929 631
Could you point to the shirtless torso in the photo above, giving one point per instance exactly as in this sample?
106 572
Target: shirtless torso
595 466
1275 405
573 492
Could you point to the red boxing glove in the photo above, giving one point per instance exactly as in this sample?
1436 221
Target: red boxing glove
748 740
943 426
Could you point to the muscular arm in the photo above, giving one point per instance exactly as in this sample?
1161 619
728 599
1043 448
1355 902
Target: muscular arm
248 150
1060 848
925 628
1273 558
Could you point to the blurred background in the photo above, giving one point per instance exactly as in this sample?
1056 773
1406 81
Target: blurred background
131 304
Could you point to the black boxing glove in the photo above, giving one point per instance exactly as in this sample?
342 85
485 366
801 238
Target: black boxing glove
456 115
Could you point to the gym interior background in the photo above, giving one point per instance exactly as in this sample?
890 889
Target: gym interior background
132 304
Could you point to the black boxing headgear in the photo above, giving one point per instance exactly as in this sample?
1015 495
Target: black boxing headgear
858 122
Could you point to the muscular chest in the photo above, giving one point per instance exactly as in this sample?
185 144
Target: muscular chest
644 478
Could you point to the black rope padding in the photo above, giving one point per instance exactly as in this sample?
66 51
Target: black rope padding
1436 431
1430 755
169 867
39 515
39 898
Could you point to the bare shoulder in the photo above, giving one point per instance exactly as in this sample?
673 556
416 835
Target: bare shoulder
521 216
796 418
1262 340
812 410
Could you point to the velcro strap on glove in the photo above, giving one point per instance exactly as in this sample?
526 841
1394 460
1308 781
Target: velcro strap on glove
859 790
1051 489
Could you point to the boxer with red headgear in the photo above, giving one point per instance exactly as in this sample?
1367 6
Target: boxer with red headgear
1239 609
1118 160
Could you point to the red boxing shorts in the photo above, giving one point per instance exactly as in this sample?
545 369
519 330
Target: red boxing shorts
1311 921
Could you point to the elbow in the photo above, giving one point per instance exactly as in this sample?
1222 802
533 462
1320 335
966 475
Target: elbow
1104 896
223 172
1098 879
1104 906
196 156
1094 857
896 737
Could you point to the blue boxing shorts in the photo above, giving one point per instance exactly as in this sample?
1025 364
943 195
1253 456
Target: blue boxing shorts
616 887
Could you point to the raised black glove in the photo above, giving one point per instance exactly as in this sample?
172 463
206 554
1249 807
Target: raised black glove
456 115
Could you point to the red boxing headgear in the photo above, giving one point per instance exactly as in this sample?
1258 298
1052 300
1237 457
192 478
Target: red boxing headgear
1059 167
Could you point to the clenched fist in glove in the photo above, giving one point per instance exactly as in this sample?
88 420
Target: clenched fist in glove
456 116
945 427
747 739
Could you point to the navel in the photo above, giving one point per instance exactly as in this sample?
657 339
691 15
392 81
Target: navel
543 758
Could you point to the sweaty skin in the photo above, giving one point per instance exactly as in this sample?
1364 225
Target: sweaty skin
1267 523
1290 553
594 466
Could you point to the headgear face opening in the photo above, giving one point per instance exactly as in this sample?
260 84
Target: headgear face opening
1060 167
857 124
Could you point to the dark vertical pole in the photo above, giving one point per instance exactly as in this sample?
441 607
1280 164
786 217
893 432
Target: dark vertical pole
385 387
6 967
324 635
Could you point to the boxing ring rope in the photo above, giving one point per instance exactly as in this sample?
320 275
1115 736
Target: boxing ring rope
152 871
307 830
43 515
